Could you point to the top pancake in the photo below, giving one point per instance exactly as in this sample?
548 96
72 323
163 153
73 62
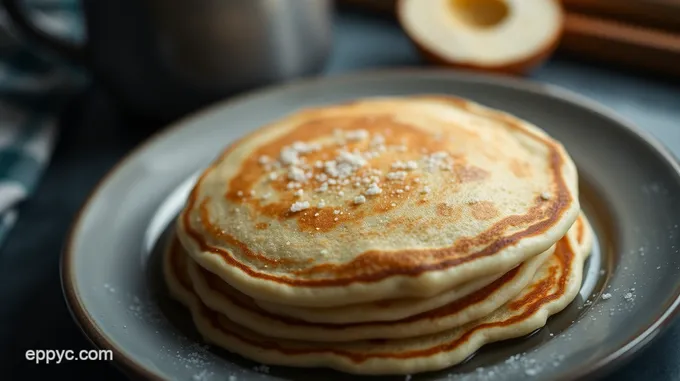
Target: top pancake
377 199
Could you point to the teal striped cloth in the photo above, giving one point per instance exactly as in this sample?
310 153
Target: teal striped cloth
33 88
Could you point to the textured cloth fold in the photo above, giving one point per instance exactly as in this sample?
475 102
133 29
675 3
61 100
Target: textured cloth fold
33 88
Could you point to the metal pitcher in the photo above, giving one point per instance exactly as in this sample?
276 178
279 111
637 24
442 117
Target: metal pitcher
164 58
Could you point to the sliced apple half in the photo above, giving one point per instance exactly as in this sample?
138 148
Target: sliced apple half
506 36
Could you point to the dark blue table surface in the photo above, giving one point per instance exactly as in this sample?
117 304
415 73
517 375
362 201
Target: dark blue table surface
96 133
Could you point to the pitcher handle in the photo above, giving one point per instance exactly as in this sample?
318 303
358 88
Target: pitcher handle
24 25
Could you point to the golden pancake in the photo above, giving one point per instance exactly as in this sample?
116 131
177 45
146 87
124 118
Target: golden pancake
243 310
553 287
379 199
396 309
381 310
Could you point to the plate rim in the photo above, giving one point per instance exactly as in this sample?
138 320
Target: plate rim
130 366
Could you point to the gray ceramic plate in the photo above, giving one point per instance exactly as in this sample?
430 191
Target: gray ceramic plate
629 182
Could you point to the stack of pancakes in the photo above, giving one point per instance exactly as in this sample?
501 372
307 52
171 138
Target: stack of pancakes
384 236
